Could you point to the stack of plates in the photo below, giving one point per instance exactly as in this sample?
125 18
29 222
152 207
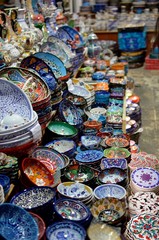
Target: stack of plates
144 180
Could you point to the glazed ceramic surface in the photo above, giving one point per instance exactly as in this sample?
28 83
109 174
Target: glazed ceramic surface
90 142
108 209
109 190
145 177
71 209
37 172
65 231
74 190
16 223
79 173
62 129
53 156
112 175
113 162
16 108
89 156
41 225
32 198
115 152
35 88
54 63
69 113
62 145
54 49
72 33
117 142
42 69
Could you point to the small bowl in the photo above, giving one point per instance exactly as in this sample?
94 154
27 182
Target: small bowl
109 210
115 152
72 210
110 190
62 129
79 173
92 124
66 230
90 141
117 142
113 175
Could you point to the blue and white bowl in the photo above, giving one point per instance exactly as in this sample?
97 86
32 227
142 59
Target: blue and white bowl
90 141
65 231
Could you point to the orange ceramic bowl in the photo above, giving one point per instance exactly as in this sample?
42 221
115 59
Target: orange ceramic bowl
101 86
92 124
36 172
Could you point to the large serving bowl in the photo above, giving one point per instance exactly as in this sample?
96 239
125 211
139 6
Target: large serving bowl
109 210
66 230
64 146
38 200
109 190
16 223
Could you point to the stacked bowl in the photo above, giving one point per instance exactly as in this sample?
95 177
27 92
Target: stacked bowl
20 130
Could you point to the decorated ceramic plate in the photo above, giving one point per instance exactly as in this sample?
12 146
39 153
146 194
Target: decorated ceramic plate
42 69
54 63
69 113
35 88
14 101
72 32
16 223
55 49
65 230
89 156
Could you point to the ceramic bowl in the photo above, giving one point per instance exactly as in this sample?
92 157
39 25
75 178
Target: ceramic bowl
66 230
109 210
16 223
69 113
113 175
79 173
117 142
78 191
92 124
36 199
113 163
5 183
89 156
62 129
36 172
48 154
90 142
72 210
64 146
41 225
109 190
115 152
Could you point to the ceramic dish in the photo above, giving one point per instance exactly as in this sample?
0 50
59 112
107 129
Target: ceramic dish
42 69
74 190
109 210
116 153
41 225
34 198
54 63
16 108
62 128
64 146
113 163
69 113
117 142
72 210
109 190
90 141
89 156
113 175
16 223
79 173
36 172
47 154
72 32
54 49
65 230
34 87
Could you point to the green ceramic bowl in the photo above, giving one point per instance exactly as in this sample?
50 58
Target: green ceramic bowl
62 129
115 152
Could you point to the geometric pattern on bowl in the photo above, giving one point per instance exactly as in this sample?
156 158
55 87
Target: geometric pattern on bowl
107 205
16 223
